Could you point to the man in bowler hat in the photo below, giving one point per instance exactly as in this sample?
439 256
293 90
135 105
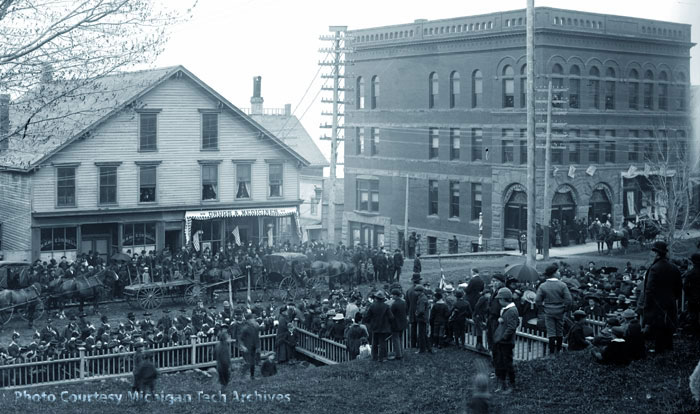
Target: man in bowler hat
662 288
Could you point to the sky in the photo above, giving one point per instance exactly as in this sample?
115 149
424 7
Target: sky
228 42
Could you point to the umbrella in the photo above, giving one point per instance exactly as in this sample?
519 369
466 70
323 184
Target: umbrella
522 272
121 257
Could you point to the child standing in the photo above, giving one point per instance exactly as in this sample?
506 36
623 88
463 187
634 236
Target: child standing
504 341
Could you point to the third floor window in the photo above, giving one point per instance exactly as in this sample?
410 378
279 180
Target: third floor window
454 89
148 131
434 89
374 92
508 87
434 142
210 130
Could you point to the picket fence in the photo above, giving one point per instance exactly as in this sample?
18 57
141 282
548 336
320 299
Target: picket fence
195 354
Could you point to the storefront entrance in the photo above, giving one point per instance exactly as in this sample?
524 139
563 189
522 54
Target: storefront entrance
599 206
515 214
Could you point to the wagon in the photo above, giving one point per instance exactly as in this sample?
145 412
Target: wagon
287 276
7 309
150 296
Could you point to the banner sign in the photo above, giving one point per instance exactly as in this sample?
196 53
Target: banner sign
242 212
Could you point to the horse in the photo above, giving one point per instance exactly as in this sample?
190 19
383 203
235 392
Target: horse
610 236
214 276
26 297
82 288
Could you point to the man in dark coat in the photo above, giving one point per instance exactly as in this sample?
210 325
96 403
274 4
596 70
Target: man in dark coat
422 314
577 336
411 300
223 359
398 264
691 286
379 318
458 318
417 267
662 287
249 342
504 340
399 323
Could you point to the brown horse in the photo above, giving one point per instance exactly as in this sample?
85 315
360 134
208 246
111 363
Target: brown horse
82 288
26 298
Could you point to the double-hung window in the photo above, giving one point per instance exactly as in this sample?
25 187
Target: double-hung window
275 175
65 186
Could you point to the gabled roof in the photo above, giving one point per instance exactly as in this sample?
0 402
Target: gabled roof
293 133
45 127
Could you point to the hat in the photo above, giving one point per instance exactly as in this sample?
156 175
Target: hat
338 317
613 321
416 277
380 295
551 270
629 314
331 312
166 310
147 314
504 293
226 304
660 247
396 292
695 258
82 314
579 314
530 296
618 331
449 288
459 293
419 288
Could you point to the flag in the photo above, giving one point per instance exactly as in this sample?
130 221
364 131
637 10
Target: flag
442 280
572 171
631 171
591 170
236 236
248 298
555 171
270 242
647 170
195 239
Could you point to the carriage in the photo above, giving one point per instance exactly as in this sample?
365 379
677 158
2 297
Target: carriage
23 297
286 276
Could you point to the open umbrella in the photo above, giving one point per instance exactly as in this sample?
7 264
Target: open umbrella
121 257
522 272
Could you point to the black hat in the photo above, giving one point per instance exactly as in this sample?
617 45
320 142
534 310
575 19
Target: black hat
551 270
416 278
147 314
660 247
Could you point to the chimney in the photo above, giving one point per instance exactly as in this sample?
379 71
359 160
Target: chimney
287 109
4 120
46 73
256 102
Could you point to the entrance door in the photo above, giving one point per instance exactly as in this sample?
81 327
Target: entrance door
173 240
96 244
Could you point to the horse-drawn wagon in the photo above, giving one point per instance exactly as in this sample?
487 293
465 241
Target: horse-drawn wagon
19 294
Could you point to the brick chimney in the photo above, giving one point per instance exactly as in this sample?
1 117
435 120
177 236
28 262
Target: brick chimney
287 109
4 121
256 102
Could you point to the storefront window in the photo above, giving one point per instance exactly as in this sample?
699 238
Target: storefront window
57 242
138 237
211 233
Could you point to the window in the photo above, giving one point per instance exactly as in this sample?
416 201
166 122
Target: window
367 195
454 89
523 146
574 86
523 86
360 93
148 131
374 147
455 143
374 92
594 87
574 152
477 144
507 147
634 149
432 245
211 230
140 236
65 186
508 87
210 182
610 151
433 193
557 83
663 91
275 175
243 180
434 144
633 89
210 130
454 199
610 89
477 88
557 149
108 185
594 147
434 87
58 241
680 100
648 90
476 201
147 184
359 140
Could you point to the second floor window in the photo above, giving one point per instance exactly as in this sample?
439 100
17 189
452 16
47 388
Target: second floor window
374 146
523 149
454 89
243 180
434 149
648 90
359 140
508 87
663 91
507 155
594 85
210 131
434 89
275 176
108 185
680 97
368 195
455 143
454 199
477 144
147 184
65 186
210 182
360 93
633 91
476 201
148 131
374 93
574 86
523 86
610 89
477 88
593 151
433 193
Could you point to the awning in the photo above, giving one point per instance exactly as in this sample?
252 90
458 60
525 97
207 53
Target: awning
634 172
239 212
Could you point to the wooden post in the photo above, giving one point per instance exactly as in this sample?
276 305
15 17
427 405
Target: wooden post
81 351
193 342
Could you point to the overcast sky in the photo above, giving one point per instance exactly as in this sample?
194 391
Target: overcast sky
229 41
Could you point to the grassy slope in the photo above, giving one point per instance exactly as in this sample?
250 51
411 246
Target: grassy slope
432 383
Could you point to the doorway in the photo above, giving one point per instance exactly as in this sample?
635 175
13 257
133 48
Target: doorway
96 244
173 240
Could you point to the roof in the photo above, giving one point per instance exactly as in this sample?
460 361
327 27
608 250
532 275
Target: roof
339 191
54 115
293 133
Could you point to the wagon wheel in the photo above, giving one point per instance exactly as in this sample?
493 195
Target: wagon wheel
315 284
149 297
194 293
38 310
5 316
289 289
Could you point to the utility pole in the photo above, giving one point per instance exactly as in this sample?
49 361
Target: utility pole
531 161
338 50
405 222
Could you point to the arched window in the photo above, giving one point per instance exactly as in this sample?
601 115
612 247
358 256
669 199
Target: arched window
682 88
574 86
633 89
594 87
433 85
374 92
663 91
454 89
648 90
523 86
610 88
557 83
508 87
477 88
360 93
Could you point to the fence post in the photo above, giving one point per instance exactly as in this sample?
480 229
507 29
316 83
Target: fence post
193 341
81 351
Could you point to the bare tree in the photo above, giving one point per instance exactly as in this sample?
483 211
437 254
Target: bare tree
53 50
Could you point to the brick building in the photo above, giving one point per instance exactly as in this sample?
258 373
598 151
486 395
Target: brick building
144 161
443 102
